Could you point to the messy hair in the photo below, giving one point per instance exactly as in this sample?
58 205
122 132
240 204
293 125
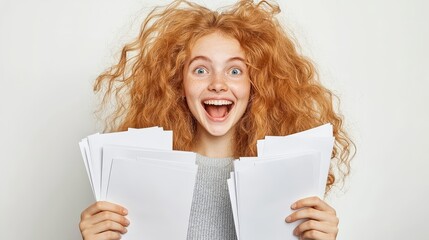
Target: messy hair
286 96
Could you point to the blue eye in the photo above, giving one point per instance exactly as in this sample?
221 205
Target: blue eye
235 71
200 70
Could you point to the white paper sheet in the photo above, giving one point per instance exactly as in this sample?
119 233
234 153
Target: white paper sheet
83 151
110 152
320 131
288 168
158 198
296 144
148 138
266 191
232 195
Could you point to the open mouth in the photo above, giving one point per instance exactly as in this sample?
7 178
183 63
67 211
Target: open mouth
217 108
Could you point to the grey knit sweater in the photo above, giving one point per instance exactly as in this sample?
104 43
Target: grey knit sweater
211 213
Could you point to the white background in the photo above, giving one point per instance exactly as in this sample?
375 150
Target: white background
372 54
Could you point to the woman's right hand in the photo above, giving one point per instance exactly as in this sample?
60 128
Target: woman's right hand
103 221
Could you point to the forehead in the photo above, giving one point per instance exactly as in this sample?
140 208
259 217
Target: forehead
217 44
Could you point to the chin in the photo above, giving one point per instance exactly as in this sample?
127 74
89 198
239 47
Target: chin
218 131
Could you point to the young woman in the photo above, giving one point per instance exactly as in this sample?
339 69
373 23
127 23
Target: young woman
220 81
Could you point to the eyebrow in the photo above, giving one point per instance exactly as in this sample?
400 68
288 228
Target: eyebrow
208 59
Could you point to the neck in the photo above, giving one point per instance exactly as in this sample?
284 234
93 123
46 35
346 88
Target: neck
214 146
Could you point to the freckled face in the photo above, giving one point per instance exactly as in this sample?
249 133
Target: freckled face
216 83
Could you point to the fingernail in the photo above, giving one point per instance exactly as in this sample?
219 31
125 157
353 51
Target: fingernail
127 222
125 211
294 232
288 219
293 206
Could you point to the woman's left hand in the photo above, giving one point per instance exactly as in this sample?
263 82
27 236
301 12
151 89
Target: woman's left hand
322 221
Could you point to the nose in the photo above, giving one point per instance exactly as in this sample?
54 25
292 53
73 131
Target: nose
218 83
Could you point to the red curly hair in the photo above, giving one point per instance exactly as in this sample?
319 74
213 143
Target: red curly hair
286 96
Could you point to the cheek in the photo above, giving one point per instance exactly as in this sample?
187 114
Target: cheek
242 90
192 89
187 86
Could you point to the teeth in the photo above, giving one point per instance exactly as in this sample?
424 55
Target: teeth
218 102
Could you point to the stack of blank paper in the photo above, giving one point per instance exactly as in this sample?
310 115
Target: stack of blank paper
263 188
139 170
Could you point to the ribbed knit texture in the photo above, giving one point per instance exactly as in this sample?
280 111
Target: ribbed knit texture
211 213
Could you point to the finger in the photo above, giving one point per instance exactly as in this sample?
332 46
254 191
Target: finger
109 235
315 225
314 202
314 234
311 213
105 226
106 215
103 206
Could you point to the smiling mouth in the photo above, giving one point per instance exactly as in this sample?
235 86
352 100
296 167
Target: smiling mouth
218 108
